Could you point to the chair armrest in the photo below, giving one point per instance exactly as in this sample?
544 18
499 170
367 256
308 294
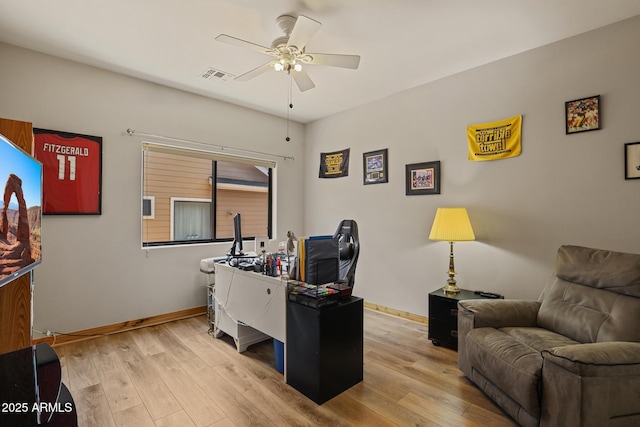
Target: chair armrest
602 359
482 313
498 313
591 384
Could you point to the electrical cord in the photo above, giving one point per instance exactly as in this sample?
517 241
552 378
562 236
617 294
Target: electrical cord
53 334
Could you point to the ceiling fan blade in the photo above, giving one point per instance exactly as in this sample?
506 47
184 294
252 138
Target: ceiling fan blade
302 31
242 43
335 60
303 81
253 73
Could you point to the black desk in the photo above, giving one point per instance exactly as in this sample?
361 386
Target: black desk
31 390
324 348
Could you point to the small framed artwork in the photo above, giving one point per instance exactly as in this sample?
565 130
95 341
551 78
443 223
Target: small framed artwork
72 172
582 115
374 165
632 160
423 178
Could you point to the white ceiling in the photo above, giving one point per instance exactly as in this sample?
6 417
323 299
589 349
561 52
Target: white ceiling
403 43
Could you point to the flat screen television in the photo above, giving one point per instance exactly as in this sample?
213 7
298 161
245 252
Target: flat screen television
21 214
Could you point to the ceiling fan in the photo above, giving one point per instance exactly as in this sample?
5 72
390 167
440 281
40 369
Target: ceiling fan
289 53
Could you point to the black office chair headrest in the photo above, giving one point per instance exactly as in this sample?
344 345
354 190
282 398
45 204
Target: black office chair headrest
345 248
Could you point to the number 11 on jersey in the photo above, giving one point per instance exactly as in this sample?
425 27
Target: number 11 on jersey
62 160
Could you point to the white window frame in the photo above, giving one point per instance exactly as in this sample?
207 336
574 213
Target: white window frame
260 163
172 210
153 207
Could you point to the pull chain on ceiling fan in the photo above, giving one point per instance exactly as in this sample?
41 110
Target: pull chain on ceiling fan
289 107
289 51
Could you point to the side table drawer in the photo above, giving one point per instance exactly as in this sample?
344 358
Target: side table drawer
444 332
441 308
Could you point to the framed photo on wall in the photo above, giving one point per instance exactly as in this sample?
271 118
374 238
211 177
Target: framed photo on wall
423 178
72 172
582 115
632 160
374 164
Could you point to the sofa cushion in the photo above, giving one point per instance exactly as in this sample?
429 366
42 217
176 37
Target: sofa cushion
594 295
538 338
510 358
574 310
588 314
614 271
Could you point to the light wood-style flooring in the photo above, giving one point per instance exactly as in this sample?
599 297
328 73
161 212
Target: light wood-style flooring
177 375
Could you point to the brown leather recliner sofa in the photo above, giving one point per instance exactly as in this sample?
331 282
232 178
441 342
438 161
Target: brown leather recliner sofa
572 358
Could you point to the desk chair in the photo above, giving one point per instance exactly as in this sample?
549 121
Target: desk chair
349 246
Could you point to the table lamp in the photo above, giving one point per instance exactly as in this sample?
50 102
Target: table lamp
452 225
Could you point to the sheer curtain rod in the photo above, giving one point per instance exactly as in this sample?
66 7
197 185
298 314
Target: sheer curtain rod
133 132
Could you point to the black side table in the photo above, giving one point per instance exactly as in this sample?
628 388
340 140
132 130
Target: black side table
443 316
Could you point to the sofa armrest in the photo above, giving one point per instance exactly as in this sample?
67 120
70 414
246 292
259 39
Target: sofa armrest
482 313
498 313
591 385
597 359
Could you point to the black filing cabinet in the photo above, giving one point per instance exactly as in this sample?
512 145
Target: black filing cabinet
443 316
324 348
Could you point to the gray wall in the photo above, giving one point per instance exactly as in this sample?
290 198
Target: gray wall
563 189
94 271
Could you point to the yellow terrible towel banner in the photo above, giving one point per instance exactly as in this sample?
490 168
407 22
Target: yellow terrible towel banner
495 140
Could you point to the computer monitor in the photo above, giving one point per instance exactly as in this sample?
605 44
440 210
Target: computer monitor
236 249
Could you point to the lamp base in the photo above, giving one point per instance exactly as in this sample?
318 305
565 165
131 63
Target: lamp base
451 289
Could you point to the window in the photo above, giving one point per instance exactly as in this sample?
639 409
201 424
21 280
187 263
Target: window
191 219
148 207
191 196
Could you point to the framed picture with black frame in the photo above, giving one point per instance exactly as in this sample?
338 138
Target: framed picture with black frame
72 172
374 167
632 160
422 178
582 115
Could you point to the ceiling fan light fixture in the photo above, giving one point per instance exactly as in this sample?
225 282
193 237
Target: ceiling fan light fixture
288 51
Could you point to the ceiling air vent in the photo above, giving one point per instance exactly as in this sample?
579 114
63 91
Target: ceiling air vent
213 74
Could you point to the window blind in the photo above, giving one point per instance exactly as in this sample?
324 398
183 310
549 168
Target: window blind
205 154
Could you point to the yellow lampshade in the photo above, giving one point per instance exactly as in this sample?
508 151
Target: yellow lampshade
452 225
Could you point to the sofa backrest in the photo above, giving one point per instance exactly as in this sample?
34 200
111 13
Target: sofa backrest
594 296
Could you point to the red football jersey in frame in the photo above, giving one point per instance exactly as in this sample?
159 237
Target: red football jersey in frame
72 171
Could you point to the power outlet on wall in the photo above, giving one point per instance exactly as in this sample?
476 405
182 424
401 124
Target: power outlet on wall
261 244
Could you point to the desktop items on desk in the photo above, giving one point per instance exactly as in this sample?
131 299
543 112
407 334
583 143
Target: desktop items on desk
267 263
272 265
323 271
325 267
323 259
